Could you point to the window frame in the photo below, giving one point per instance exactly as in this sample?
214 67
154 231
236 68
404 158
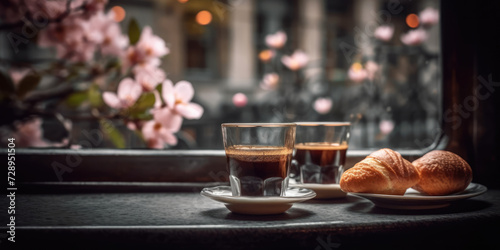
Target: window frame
132 165
156 166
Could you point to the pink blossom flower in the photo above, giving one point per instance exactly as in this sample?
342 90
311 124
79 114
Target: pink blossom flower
386 126
92 6
146 52
18 75
276 40
414 37
270 81
14 10
114 41
296 61
161 129
356 73
67 32
384 32
429 16
50 9
104 31
30 134
86 8
168 118
371 69
240 100
127 94
77 38
150 46
148 81
155 142
178 98
323 105
69 39
75 51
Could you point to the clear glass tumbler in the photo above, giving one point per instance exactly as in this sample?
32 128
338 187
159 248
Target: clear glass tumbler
320 152
258 157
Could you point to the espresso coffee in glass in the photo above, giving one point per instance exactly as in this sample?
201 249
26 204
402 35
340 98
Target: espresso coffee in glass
320 152
258 157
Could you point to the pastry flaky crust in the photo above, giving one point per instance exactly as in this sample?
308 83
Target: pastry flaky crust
382 172
442 173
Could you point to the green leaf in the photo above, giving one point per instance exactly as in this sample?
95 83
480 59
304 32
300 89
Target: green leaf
159 87
76 99
145 101
144 116
134 32
27 84
94 96
6 84
112 133
140 109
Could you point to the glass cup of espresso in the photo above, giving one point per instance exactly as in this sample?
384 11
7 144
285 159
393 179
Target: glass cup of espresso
320 152
258 157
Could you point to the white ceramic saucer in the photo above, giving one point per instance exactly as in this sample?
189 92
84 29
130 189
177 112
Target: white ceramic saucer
323 191
412 199
258 205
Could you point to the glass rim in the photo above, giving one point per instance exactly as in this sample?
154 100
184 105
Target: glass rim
258 124
330 124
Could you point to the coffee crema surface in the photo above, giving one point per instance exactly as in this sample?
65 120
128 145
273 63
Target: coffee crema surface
258 170
320 162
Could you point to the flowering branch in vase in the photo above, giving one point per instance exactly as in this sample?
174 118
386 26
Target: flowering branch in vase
99 70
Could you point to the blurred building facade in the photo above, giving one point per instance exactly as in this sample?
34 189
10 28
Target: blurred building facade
399 108
221 59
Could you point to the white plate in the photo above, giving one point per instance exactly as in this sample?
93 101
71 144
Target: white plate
412 199
323 191
258 205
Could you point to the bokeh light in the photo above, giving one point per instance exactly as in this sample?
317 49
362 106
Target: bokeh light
412 20
265 55
357 66
203 17
182 1
119 13
240 100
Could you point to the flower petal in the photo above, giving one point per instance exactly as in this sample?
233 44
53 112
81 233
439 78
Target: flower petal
190 110
168 119
111 99
168 137
168 94
148 129
155 143
184 91
128 88
146 34
157 104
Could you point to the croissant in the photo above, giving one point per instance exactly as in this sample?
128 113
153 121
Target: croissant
382 172
441 173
